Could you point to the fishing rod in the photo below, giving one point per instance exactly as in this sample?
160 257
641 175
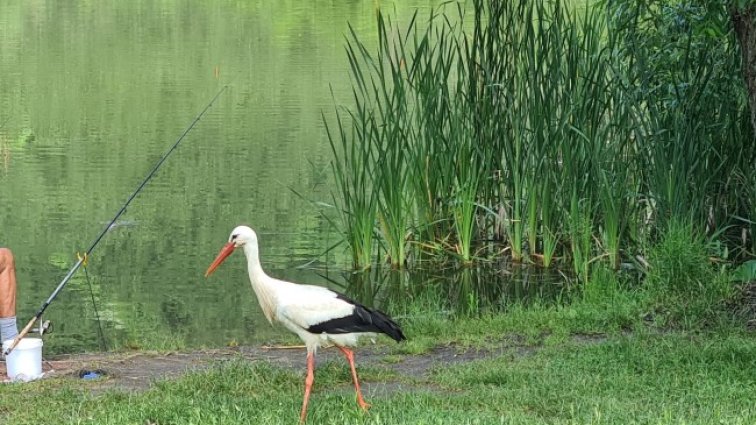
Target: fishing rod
83 258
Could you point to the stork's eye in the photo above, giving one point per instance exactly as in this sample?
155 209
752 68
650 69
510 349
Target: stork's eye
233 237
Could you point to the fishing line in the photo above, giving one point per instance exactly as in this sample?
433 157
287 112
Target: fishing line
97 240
103 341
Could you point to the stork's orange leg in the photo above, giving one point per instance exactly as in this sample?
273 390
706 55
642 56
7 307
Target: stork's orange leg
308 385
350 358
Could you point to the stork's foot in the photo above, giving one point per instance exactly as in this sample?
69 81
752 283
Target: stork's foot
363 404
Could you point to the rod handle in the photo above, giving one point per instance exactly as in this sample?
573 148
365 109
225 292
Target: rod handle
20 335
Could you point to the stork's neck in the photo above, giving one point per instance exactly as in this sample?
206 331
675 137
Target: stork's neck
253 262
262 284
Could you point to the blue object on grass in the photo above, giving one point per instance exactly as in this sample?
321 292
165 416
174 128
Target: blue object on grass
90 375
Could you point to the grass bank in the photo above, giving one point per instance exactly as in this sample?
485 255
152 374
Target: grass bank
601 359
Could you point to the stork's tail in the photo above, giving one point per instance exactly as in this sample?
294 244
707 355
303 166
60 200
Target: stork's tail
387 325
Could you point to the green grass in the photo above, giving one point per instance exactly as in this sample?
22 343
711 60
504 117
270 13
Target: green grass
594 360
643 378
673 378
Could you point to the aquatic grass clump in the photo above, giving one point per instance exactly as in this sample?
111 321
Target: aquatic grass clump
546 95
402 94
548 132
468 124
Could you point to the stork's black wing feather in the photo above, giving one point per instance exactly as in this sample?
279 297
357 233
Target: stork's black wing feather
362 319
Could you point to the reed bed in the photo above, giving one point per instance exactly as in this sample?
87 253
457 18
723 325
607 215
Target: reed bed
540 131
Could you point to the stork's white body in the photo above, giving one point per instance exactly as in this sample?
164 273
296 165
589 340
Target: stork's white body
299 307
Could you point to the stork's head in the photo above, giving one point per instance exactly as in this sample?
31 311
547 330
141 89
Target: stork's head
240 236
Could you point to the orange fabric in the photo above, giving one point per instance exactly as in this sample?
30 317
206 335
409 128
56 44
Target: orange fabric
7 283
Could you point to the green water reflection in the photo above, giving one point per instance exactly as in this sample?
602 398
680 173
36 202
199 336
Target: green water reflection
465 291
93 93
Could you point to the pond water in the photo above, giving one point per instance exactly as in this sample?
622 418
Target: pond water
93 93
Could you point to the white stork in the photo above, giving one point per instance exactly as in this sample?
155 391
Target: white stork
318 315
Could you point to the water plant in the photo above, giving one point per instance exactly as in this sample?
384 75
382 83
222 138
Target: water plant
549 130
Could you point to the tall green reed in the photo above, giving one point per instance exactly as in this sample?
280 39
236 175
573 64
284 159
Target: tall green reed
352 168
382 114
549 226
436 129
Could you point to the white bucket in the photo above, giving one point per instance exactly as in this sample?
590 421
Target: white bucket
24 363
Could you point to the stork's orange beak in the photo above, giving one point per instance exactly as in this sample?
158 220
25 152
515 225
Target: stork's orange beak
222 255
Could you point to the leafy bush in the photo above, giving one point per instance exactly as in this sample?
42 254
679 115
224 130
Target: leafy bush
679 262
683 285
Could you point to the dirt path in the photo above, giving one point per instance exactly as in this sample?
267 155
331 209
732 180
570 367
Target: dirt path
137 371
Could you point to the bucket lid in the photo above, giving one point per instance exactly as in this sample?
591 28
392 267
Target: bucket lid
24 344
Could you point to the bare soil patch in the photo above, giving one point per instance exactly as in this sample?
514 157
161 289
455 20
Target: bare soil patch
137 371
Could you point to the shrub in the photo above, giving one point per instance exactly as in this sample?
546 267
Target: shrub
682 283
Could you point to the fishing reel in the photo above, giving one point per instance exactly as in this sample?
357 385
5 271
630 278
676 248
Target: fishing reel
45 327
